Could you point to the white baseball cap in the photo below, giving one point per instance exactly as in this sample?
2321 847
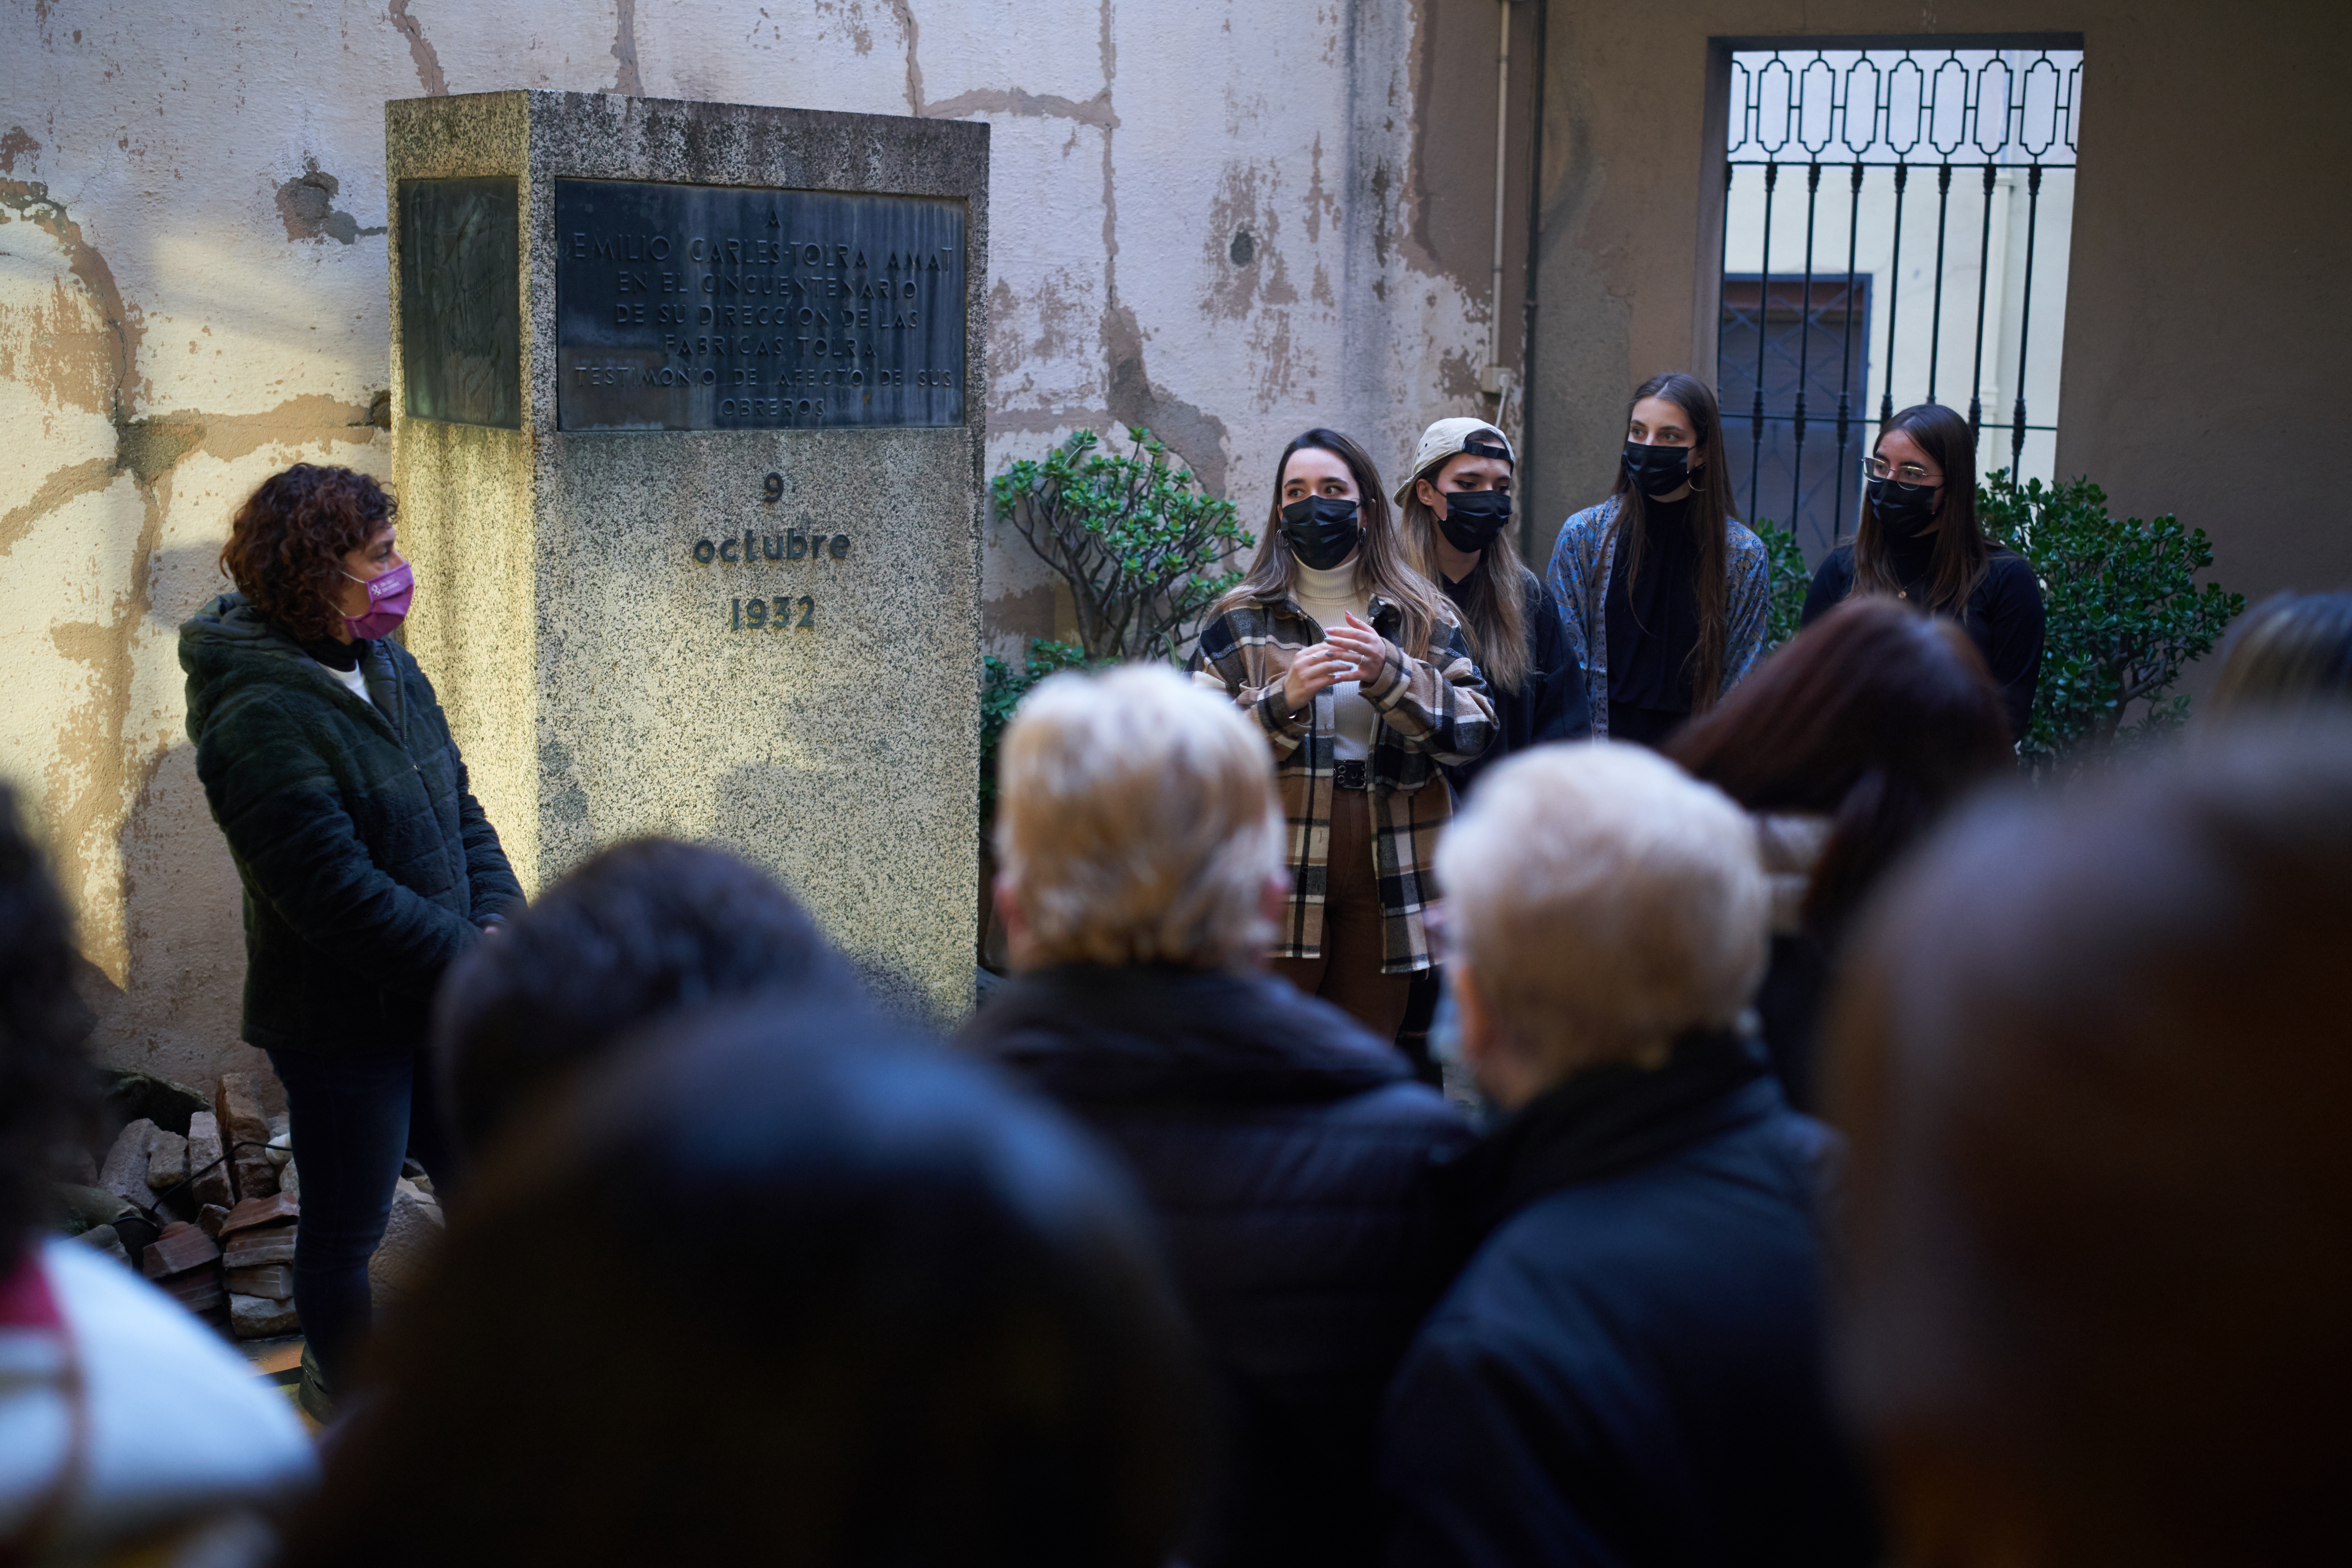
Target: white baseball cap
1446 438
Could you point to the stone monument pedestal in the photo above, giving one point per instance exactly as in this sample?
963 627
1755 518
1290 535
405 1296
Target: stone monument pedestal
687 438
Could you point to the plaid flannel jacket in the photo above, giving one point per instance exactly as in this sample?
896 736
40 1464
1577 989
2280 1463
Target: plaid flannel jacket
1427 712
1581 559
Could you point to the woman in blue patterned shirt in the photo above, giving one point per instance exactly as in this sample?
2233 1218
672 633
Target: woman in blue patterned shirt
1665 594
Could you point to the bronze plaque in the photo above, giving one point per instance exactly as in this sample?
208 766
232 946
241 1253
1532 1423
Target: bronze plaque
460 311
729 308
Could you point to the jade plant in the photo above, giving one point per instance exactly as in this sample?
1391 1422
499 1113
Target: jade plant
1142 547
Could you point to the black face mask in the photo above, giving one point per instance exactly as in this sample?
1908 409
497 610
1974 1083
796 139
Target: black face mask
1657 470
1472 517
1903 511
1322 532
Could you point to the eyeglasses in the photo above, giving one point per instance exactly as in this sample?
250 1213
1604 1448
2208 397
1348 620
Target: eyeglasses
1908 474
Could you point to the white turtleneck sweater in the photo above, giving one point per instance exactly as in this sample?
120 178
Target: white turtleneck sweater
1332 597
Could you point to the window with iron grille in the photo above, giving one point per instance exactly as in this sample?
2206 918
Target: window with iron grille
1896 223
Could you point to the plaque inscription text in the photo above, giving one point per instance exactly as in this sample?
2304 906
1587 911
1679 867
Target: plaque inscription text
731 308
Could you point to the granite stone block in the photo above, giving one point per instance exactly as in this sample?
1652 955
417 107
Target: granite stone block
205 1163
583 595
245 1132
167 1161
261 1317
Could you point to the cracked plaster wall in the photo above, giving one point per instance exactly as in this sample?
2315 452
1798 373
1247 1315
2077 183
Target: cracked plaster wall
193 295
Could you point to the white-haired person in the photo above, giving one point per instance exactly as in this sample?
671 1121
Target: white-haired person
1286 1149
1456 512
1630 1369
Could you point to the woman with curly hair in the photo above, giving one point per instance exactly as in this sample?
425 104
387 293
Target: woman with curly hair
368 864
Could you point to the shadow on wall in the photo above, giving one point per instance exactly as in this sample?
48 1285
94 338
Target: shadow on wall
176 1015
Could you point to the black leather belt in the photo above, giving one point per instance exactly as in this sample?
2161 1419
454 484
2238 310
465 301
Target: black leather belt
1350 775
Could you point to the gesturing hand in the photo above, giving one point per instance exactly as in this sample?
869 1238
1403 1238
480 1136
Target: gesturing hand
1363 650
1314 669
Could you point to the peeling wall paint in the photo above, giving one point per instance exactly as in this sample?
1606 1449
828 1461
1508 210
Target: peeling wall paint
1210 219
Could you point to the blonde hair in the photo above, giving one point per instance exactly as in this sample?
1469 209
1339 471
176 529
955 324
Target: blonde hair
1494 602
1603 902
1137 822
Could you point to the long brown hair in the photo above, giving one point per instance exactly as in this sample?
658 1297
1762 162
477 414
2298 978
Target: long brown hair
1493 601
1874 717
1383 564
1962 550
1710 511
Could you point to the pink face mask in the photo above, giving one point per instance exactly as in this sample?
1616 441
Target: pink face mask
388 601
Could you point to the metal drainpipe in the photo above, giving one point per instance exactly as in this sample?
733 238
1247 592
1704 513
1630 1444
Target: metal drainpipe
1534 256
1491 381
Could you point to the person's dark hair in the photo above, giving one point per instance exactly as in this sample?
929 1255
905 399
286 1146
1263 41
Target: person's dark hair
1382 562
781 1284
643 929
1710 510
1962 550
46 1087
1876 717
2293 652
286 546
2091 1059
1494 602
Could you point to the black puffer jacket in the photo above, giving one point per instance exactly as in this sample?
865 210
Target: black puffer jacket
366 863
1288 1154
1630 1371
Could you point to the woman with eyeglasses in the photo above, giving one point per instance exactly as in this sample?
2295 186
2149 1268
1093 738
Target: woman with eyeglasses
1663 594
1920 542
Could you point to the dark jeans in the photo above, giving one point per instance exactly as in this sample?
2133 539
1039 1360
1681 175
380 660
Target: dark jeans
354 1117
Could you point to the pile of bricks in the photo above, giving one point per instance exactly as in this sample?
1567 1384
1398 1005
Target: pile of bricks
245 1266
227 1199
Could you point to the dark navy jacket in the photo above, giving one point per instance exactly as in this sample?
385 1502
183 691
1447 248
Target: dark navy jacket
1630 1370
1287 1155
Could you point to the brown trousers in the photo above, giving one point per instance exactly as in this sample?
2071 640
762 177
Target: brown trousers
1348 974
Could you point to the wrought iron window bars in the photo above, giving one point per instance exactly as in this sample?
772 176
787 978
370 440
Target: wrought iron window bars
1900 110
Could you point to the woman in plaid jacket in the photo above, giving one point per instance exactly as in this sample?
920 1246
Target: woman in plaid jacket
1351 663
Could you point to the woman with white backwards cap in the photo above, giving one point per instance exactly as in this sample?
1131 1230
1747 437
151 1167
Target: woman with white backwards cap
1457 516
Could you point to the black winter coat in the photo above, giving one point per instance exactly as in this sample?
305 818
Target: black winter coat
366 863
1286 1153
2003 617
1630 1372
1551 705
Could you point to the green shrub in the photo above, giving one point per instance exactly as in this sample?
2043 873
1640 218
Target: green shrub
1144 550
1002 687
1790 577
2126 615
